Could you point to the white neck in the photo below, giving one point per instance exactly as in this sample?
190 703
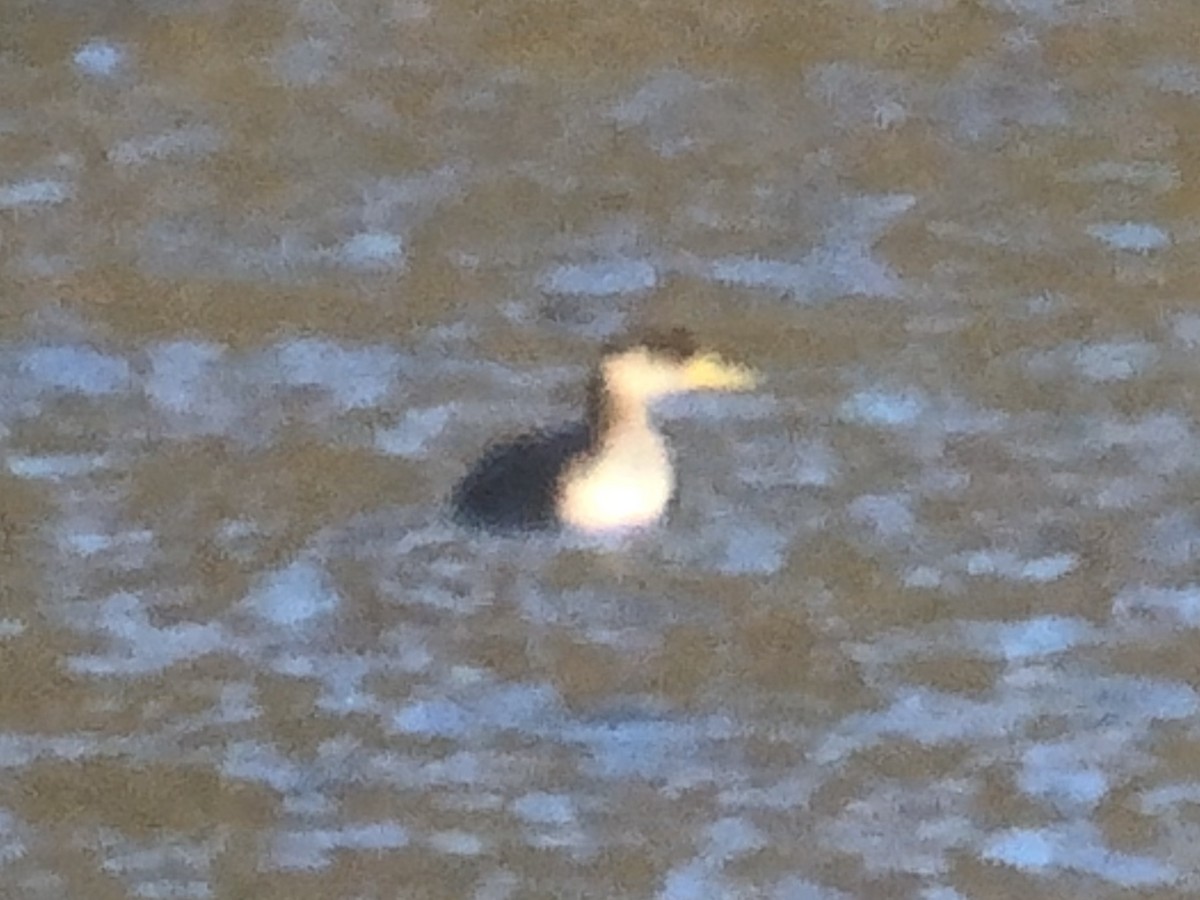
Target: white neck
626 484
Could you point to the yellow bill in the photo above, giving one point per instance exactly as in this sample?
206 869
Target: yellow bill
712 372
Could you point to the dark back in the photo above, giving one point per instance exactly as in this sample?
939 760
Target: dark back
514 486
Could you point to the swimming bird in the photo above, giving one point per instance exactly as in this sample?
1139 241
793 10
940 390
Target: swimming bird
612 472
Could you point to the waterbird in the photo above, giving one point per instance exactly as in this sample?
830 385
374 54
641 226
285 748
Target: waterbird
611 473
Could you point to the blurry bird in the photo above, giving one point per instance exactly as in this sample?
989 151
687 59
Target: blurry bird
612 472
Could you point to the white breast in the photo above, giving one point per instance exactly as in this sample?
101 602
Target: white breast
628 486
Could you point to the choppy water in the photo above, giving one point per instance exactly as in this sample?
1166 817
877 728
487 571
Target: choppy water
925 623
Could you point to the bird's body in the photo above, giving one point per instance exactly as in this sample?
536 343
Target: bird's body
629 486
514 486
613 472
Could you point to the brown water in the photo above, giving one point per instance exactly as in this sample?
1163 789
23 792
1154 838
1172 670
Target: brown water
925 624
